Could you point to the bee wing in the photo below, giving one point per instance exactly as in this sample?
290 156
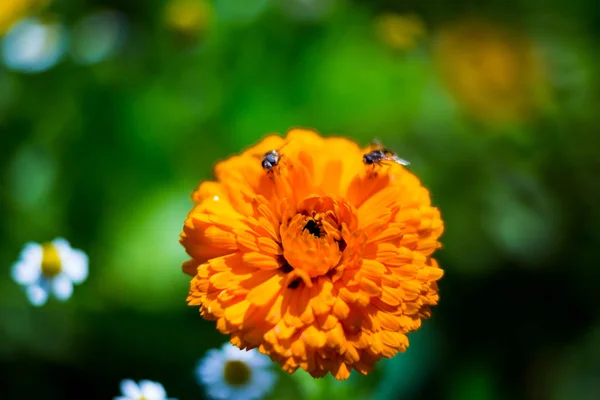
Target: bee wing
400 161
283 146
375 143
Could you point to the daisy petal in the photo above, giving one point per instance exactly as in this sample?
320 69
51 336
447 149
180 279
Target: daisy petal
264 378
76 266
32 252
62 287
210 368
37 295
219 391
130 389
74 262
61 243
258 360
242 394
231 352
26 272
152 390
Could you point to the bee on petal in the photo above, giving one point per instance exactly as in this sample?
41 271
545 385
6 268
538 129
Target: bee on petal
270 160
381 155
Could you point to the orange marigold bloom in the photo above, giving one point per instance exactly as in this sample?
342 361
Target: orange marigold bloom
323 263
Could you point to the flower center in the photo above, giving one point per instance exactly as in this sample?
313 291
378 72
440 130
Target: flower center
236 373
311 237
51 265
313 227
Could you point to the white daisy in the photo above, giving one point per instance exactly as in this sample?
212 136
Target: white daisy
50 267
32 45
234 374
98 36
146 390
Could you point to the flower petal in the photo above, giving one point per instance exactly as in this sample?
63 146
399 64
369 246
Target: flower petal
263 379
76 266
152 390
26 272
37 294
210 368
32 252
260 260
62 287
264 292
130 389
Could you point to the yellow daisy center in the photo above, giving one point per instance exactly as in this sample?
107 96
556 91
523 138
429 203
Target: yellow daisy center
51 265
236 373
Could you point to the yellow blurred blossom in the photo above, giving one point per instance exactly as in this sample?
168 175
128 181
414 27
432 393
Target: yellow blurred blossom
400 32
189 17
493 73
13 10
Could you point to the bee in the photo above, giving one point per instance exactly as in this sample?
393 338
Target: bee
270 160
379 156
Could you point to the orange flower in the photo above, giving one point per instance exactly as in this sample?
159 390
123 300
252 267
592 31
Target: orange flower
400 32
494 73
189 17
323 263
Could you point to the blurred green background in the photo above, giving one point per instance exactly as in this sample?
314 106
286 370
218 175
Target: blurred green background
495 104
